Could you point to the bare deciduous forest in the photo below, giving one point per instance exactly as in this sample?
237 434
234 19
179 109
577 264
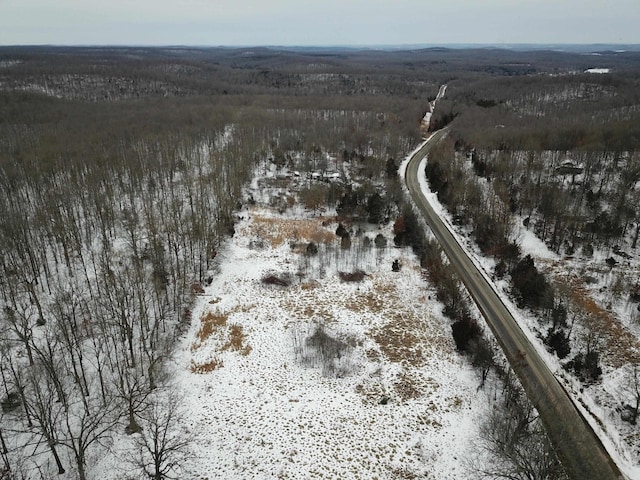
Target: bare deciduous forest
122 170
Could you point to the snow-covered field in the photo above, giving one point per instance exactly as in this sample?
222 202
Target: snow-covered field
398 403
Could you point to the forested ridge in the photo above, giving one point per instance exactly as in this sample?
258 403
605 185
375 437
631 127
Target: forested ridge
122 170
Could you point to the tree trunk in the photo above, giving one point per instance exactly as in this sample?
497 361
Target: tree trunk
635 237
56 457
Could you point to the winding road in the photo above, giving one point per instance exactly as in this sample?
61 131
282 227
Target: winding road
578 447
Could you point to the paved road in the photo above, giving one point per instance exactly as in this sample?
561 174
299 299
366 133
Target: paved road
579 448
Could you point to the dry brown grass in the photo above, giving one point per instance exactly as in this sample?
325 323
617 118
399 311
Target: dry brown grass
278 231
406 388
622 346
406 338
399 345
236 340
209 323
368 301
207 367
311 285
216 323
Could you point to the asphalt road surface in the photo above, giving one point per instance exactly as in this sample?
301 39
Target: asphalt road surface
578 447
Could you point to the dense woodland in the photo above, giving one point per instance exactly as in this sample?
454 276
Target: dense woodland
121 171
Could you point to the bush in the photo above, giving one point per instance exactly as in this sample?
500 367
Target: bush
380 241
531 286
341 231
320 349
558 341
278 280
356 276
312 249
586 366
11 402
465 331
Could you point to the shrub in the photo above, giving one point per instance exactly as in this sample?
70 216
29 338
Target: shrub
380 241
320 349
356 276
531 286
558 341
11 402
278 280
341 231
586 366
312 249
465 331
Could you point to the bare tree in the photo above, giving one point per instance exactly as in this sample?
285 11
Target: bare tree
513 438
46 409
162 446
631 389
84 425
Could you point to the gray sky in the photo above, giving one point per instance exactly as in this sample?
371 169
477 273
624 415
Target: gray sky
317 22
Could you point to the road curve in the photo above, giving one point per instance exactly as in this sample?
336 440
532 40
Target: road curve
578 447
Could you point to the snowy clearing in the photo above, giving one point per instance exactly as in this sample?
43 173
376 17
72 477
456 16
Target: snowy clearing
401 403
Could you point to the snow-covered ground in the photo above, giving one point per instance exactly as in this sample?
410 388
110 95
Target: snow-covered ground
402 403
388 397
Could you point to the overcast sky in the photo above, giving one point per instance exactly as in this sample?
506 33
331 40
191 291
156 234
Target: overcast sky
317 22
